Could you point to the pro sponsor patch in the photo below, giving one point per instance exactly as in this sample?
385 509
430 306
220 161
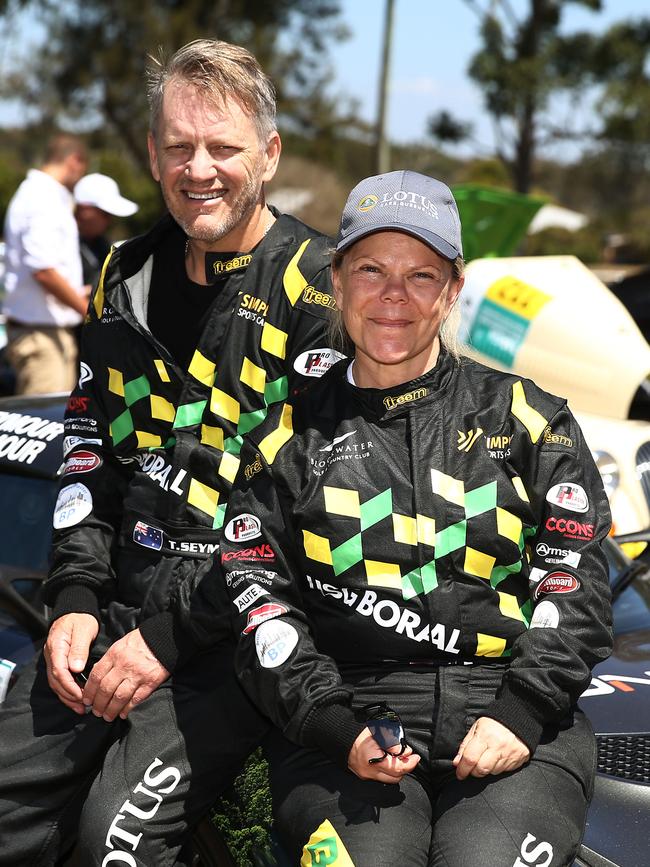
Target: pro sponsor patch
568 495
316 362
82 462
243 527
251 594
545 615
274 642
557 582
262 614
73 504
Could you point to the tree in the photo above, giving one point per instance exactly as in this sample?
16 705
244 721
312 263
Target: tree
526 61
89 72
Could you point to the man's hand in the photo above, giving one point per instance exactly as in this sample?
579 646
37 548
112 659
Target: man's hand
489 748
391 769
125 675
66 653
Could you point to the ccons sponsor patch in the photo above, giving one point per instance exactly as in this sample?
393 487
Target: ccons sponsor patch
570 528
260 552
73 504
274 642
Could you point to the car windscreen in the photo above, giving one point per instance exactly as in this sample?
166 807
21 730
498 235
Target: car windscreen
26 506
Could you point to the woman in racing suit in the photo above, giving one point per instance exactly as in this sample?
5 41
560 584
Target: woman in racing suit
413 553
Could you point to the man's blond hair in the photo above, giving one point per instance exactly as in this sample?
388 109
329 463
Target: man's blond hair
220 71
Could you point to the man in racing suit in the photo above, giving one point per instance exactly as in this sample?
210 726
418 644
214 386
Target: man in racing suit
435 546
194 331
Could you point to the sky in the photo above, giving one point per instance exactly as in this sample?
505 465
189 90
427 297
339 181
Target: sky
433 41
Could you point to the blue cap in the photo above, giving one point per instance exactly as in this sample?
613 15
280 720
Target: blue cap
403 201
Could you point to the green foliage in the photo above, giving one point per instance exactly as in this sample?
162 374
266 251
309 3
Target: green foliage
244 817
89 72
526 59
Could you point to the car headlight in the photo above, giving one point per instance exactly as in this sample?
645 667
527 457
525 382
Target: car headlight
608 469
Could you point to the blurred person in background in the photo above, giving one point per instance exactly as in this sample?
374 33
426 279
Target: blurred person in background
124 731
98 201
45 298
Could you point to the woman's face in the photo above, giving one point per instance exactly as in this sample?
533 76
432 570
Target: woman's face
394 293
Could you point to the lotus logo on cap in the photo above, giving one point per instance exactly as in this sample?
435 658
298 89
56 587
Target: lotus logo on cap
367 203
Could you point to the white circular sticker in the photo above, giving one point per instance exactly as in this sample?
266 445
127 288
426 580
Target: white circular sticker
274 642
316 362
243 527
545 615
73 504
568 495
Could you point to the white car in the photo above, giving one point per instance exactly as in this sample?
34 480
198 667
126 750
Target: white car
551 319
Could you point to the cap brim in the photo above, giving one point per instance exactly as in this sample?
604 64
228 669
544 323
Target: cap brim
119 207
444 248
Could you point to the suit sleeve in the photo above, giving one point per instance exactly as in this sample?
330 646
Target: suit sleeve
570 629
278 663
88 510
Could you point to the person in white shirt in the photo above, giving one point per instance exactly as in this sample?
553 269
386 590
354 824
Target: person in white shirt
45 296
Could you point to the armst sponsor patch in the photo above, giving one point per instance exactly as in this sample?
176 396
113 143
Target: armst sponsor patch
73 504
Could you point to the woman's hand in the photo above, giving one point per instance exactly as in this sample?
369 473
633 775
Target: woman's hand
390 769
489 748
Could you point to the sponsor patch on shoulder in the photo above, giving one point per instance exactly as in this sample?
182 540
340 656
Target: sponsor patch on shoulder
73 504
82 462
316 362
71 442
251 594
545 615
263 613
274 643
243 527
568 495
557 582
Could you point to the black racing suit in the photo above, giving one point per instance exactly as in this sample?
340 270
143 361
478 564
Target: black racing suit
151 452
439 539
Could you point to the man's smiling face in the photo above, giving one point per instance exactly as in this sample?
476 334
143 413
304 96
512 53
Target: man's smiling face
211 165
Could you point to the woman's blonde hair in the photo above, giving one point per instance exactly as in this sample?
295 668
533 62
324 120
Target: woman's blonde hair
448 335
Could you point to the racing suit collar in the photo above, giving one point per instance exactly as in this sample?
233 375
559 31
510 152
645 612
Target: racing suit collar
389 402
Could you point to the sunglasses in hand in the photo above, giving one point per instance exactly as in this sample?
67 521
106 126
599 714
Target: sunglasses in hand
386 729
